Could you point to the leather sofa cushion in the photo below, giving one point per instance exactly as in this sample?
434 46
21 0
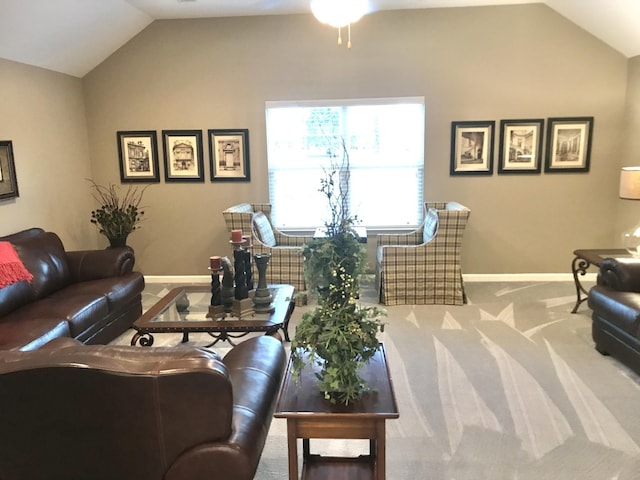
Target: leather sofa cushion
80 310
38 330
118 290
622 309
44 256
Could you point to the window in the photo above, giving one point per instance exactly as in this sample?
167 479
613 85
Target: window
385 142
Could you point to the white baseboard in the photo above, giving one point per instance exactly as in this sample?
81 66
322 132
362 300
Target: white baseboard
471 277
185 279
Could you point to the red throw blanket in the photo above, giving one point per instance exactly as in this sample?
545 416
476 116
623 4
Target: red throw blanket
12 269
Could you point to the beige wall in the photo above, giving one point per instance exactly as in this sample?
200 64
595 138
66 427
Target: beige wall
629 210
43 115
488 63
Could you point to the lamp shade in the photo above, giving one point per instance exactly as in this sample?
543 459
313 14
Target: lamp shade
338 13
630 183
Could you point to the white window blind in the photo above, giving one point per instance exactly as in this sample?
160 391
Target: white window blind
385 142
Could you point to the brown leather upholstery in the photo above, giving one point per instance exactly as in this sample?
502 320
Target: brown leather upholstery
105 412
91 295
615 302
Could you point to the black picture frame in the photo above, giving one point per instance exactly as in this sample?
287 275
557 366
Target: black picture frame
138 155
521 144
229 155
8 179
183 155
568 144
472 147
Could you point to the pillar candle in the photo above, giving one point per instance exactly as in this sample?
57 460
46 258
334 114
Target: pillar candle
214 262
236 236
246 240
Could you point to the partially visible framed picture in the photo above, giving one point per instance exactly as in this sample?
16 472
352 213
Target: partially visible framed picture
472 148
229 155
520 146
183 159
568 144
8 180
138 154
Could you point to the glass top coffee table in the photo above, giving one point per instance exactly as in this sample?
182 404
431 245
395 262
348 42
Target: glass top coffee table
185 309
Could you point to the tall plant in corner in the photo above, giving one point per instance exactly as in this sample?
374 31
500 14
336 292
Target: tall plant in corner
117 215
339 335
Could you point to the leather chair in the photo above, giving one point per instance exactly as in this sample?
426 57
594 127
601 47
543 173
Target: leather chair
423 267
75 412
615 301
287 263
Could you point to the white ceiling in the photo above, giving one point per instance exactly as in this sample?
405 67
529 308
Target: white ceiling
74 36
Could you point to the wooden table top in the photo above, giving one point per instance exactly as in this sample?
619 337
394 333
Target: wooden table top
303 398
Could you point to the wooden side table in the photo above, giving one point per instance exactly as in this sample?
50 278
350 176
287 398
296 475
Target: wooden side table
583 260
310 416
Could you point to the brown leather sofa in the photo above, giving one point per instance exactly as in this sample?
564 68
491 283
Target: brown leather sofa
90 295
75 412
615 302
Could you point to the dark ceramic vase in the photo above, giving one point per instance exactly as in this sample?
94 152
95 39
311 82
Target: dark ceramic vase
118 242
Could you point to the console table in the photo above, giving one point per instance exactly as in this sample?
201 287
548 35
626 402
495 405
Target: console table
309 416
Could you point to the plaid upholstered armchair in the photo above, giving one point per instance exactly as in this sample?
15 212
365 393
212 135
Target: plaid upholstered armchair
423 266
287 263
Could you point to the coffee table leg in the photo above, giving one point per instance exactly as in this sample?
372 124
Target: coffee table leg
145 339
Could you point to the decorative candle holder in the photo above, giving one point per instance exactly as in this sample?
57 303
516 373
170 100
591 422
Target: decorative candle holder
227 289
262 297
216 308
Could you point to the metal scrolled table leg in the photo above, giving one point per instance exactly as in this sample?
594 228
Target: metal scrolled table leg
579 266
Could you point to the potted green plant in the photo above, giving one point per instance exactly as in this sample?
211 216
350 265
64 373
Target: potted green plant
339 335
117 215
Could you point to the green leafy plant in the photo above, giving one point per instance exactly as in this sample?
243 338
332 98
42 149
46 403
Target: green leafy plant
339 335
118 215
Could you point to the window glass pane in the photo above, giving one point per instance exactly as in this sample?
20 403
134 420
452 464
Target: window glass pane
384 139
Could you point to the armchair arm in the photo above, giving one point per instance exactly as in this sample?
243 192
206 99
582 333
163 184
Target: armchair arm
621 275
95 264
396 239
284 240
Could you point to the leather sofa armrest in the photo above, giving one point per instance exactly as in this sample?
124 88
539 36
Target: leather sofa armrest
621 275
87 265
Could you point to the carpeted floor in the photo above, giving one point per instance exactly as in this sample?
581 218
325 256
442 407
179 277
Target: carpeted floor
506 387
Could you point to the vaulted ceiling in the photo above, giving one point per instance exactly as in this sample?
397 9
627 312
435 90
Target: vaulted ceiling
74 36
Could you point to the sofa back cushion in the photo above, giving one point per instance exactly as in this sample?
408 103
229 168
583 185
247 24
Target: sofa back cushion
262 227
44 256
109 412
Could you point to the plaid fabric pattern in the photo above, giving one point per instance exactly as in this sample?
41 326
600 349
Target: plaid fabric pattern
409 271
287 263
262 227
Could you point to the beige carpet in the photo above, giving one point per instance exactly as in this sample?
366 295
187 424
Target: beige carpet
506 387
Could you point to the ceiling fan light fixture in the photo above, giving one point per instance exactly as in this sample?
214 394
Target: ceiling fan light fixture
339 13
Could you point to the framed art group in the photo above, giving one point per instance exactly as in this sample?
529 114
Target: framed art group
183 155
568 147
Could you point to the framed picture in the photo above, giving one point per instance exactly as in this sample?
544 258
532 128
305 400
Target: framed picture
183 160
138 154
229 155
472 148
8 180
520 146
568 144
